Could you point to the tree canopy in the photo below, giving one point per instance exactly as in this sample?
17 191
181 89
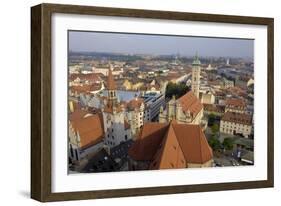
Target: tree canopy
215 128
176 89
228 143
214 143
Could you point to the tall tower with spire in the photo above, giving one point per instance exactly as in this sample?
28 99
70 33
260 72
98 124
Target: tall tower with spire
195 82
116 127
111 89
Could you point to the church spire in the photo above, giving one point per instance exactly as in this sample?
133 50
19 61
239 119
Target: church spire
111 88
196 60
110 80
195 82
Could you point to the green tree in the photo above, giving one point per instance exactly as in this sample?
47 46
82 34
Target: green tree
176 89
211 119
228 143
214 143
215 128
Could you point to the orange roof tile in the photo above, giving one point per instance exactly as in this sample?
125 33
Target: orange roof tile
189 102
77 114
85 88
232 102
169 155
85 77
148 142
90 130
194 145
237 118
134 103
171 145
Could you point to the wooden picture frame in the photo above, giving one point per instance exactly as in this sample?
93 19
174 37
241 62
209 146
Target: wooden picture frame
41 96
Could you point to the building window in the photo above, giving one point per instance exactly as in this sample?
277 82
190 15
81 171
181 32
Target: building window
126 137
112 130
76 153
112 137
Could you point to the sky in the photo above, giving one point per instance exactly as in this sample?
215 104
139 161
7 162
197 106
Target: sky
159 44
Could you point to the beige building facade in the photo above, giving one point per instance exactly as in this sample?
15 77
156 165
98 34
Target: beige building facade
236 123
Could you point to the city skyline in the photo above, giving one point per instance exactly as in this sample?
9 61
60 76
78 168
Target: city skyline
84 41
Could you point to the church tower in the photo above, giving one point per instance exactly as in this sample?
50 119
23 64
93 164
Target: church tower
116 127
111 89
195 83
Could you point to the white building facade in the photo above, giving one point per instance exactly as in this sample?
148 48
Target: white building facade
236 123
135 115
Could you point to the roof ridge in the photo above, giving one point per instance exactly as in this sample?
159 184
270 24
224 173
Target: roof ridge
179 142
164 142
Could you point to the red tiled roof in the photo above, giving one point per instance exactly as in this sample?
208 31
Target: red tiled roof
89 128
85 77
235 102
171 145
134 103
237 118
77 114
170 154
148 142
195 146
189 102
85 88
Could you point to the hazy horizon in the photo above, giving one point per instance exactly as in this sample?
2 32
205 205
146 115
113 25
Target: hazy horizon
85 41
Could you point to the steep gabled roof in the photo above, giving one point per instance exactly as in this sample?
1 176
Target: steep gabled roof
171 145
90 129
148 142
193 143
169 155
189 102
